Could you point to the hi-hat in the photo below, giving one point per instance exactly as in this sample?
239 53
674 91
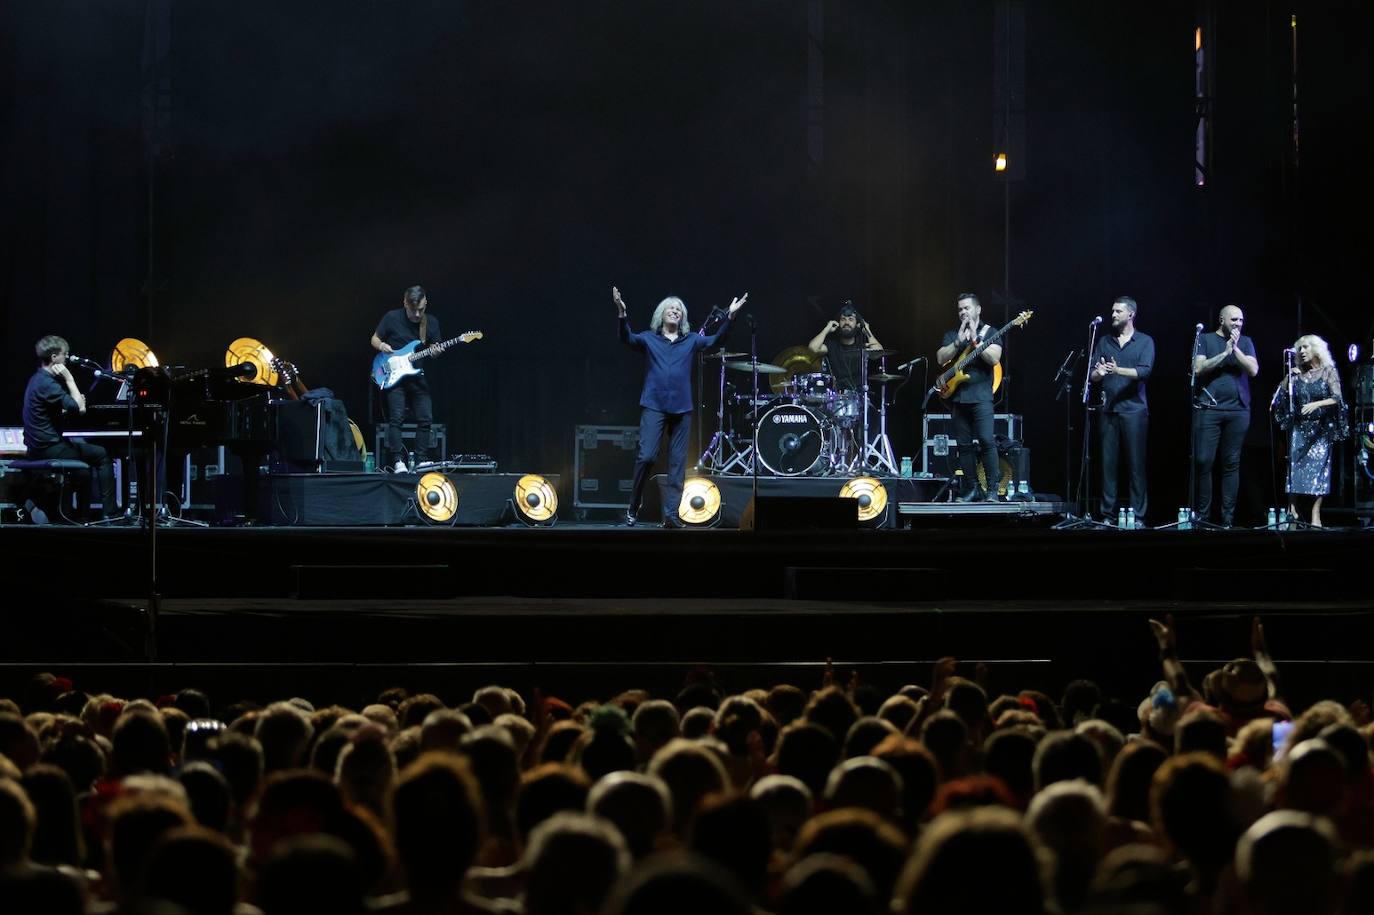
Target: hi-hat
766 368
880 353
885 377
724 355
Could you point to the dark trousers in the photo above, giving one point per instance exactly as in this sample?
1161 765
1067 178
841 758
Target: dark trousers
1123 435
412 392
101 465
652 425
970 421
1217 438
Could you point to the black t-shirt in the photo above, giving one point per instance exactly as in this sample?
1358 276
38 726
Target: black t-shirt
45 400
979 385
396 330
1228 383
843 360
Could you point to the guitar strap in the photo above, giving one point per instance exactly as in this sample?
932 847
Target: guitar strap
424 326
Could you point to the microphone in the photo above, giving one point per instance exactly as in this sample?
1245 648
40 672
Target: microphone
906 365
1289 351
82 361
1095 321
1197 329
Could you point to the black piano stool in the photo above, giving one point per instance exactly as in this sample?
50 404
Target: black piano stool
42 476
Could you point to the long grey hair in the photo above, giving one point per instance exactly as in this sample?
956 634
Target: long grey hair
656 323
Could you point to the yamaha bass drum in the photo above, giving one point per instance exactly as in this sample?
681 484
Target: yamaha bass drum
791 440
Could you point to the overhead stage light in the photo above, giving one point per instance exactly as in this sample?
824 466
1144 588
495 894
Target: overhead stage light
871 496
536 502
131 353
700 505
436 497
999 162
255 352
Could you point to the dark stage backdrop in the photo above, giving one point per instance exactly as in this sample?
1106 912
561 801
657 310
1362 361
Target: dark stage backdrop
284 170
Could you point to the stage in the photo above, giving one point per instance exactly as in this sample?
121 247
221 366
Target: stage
590 597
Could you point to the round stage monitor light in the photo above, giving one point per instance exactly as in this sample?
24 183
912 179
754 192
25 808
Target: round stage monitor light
870 494
535 500
700 505
1353 353
131 353
256 353
437 497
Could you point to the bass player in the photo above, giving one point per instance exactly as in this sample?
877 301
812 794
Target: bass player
970 405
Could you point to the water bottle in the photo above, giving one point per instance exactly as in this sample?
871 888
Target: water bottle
1121 519
1130 519
906 466
370 464
1024 489
1273 521
410 461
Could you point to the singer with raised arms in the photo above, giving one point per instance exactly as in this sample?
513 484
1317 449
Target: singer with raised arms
970 406
1122 362
51 394
666 398
1224 363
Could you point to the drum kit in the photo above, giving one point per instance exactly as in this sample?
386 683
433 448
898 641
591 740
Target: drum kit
795 420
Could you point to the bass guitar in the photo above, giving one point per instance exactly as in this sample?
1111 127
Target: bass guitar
954 375
389 368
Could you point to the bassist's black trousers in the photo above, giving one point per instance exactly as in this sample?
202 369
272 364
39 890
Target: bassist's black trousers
974 421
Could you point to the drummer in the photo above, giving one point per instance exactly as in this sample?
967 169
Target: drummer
842 349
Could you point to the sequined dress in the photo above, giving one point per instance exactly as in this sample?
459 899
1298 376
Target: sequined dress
1311 436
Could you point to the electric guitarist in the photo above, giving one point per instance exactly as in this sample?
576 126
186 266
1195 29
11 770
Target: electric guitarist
970 404
399 327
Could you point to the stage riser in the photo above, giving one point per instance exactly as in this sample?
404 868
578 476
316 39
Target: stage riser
570 650
894 565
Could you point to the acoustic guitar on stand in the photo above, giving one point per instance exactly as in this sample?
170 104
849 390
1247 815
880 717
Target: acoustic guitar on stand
954 374
389 368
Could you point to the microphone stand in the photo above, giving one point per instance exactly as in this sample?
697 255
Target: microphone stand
1081 497
1063 382
758 419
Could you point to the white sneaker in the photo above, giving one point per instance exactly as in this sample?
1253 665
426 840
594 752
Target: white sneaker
400 467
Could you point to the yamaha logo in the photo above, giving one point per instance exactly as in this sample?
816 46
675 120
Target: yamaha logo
789 418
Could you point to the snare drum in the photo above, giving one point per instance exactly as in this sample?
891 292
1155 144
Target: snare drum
791 440
846 408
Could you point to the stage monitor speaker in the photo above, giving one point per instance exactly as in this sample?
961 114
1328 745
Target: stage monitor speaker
800 513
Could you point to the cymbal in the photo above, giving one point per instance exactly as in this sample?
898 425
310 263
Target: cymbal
723 355
886 377
880 353
766 368
795 360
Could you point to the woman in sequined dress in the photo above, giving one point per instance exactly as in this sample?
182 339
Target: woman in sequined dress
1313 422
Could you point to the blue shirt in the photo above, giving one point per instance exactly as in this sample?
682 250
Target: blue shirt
668 370
1126 395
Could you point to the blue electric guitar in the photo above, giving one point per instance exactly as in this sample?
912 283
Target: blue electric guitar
390 368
